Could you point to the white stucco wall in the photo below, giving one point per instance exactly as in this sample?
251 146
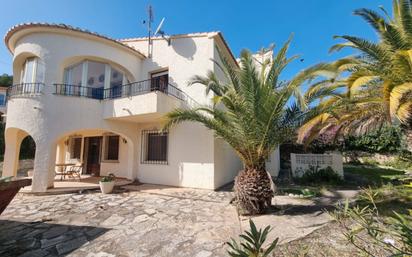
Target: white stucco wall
184 58
190 158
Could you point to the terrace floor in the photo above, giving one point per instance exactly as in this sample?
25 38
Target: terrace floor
146 220
74 185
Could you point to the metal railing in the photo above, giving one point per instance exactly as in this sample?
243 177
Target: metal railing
25 89
73 90
100 93
127 90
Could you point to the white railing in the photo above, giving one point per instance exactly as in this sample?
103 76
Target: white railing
303 162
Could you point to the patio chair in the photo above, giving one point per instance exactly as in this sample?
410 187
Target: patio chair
75 171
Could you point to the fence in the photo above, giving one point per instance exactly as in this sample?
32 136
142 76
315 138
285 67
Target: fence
302 162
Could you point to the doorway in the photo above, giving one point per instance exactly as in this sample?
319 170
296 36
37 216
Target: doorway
93 150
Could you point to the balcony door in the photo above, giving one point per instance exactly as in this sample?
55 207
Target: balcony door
159 81
93 150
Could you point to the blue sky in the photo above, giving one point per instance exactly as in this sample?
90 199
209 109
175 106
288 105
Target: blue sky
245 24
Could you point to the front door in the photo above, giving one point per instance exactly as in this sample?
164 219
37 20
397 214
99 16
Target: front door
93 155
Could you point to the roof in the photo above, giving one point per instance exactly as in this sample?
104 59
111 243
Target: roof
119 42
23 26
196 34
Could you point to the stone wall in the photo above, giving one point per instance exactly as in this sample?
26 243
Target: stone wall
24 166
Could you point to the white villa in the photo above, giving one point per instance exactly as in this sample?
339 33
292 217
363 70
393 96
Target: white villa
98 102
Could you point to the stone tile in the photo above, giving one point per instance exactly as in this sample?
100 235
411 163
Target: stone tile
150 222
70 245
35 253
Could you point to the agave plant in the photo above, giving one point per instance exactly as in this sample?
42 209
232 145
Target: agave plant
378 89
252 245
250 111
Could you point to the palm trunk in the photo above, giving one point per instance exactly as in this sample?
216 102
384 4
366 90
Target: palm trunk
253 191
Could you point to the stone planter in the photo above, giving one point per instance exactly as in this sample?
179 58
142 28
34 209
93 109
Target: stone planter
9 188
106 187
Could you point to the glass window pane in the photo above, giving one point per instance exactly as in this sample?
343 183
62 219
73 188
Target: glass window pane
112 148
116 78
95 74
39 71
73 75
76 146
28 71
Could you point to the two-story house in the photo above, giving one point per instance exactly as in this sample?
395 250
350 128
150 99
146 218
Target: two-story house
89 99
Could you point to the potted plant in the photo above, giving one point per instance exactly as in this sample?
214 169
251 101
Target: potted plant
107 183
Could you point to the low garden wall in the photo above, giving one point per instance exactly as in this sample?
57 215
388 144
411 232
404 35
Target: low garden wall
300 163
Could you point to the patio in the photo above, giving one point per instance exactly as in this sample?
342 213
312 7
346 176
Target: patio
86 182
145 220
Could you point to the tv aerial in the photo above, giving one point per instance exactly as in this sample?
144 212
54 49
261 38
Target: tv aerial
158 31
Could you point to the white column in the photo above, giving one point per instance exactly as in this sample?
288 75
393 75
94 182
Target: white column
44 166
13 139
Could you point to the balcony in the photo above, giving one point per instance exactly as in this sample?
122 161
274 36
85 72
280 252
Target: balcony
127 90
25 89
142 101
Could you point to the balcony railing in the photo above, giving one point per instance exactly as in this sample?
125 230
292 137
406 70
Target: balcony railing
25 89
73 90
99 93
127 90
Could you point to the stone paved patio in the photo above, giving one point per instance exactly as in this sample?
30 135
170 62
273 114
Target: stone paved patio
142 221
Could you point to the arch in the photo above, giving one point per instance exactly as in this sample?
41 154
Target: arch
18 63
73 60
13 142
123 167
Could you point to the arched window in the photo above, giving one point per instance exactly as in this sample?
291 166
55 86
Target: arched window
33 71
94 74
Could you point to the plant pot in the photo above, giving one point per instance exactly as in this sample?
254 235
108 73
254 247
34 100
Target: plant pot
106 187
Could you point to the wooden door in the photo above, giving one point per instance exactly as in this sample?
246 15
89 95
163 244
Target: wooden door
94 150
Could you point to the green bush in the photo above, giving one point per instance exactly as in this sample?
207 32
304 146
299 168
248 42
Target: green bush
388 139
366 229
316 176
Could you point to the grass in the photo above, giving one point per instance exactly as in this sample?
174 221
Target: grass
393 193
371 175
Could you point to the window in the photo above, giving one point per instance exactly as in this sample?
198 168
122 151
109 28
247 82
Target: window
2 100
160 80
96 75
33 71
154 147
111 148
75 147
73 75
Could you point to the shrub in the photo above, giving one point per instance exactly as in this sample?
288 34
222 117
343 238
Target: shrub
388 139
108 178
252 245
316 176
365 224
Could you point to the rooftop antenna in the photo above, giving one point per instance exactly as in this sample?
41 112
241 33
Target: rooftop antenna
149 22
160 32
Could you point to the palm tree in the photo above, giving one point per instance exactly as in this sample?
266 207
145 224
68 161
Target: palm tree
250 111
378 89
